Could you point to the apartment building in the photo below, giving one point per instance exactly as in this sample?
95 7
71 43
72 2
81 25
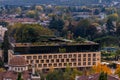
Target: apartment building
58 55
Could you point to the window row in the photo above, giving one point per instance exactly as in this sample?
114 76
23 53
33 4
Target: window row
65 64
60 56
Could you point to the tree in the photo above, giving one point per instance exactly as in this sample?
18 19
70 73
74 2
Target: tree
1 63
101 68
56 23
32 14
6 47
110 27
118 31
28 32
67 73
19 76
117 71
103 76
39 8
75 73
81 29
91 32
113 17
55 75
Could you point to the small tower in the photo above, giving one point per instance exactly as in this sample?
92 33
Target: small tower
34 76
33 68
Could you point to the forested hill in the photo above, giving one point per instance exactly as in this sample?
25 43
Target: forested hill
56 2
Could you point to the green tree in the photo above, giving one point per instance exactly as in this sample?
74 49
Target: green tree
28 32
118 31
67 73
103 76
19 76
110 27
56 23
32 14
55 75
6 47
91 32
81 29
75 73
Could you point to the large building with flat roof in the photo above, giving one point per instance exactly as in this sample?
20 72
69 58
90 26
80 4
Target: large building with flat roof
58 54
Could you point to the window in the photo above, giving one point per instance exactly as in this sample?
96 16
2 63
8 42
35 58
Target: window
47 61
74 55
67 60
45 57
65 64
98 59
45 65
62 60
55 56
70 64
60 64
84 59
37 61
27 61
52 60
73 60
50 65
34 57
94 63
89 55
65 56
79 59
74 64
55 65
50 56
42 61
94 59
79 64
94 55
79 55
89 59
60 56
84 55
57 60
89 63
84 63
70 56
39 57
29 57
40 65
31 61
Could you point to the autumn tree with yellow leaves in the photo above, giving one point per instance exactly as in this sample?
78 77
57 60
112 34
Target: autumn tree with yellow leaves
101 68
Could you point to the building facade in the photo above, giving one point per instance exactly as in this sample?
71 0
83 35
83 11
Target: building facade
17 66
45 57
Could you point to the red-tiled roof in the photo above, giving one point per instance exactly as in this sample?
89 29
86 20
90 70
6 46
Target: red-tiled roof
96 77
14 75
18 61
